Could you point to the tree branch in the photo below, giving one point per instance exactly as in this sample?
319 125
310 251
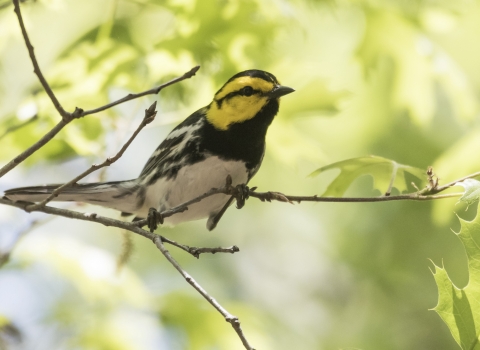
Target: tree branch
150 114
453 183
158 241
32 149
19 126
237 193
196 251
233 320
277 196
80 113
67 117
130 226
152 91
240 193
36 68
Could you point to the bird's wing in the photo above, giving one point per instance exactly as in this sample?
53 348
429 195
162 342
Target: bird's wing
174 142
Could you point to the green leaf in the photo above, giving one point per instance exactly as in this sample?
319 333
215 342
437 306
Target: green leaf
460 308
386 174
472 191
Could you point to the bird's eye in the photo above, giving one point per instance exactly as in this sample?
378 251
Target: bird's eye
247 91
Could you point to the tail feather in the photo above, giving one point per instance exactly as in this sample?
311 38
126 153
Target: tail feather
120 195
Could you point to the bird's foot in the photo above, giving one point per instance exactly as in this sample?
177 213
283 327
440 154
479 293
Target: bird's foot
153 219
239 192
241 195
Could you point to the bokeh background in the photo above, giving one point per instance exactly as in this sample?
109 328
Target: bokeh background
397 79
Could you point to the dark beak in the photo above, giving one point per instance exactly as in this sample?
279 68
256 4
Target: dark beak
279 91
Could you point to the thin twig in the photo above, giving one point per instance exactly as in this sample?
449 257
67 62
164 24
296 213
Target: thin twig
32 149
19 126
233 320
152 91
277 196
453 183
150 114
269 196
36 68
67 117
93 217
130 226
80 113
196 251
238 192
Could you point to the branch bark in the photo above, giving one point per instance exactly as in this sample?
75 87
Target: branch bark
237 193
233 320
158 241
129 226
240 193
19 126
67 117
153 91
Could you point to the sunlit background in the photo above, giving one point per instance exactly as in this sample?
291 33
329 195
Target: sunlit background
397 79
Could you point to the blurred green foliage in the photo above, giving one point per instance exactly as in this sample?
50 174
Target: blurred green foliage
397 79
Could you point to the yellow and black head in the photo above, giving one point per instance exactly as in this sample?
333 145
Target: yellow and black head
237 120
247 95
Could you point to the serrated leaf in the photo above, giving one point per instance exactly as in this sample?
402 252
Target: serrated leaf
460 308
386 174
472 191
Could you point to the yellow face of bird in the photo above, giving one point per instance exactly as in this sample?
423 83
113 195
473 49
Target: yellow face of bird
240 99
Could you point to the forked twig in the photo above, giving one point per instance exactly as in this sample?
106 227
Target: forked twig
196 251
158 241
130 226
67 117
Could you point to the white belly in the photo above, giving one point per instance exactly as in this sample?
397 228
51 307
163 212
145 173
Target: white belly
192 181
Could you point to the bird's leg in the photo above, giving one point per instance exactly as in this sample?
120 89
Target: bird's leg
240 193
153 219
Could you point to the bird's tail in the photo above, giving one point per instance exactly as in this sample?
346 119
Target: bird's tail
120 195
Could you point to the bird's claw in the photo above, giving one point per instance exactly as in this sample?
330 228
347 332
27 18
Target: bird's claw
241 195
153 219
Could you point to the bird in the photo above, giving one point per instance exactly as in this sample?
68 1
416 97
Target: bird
224 139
